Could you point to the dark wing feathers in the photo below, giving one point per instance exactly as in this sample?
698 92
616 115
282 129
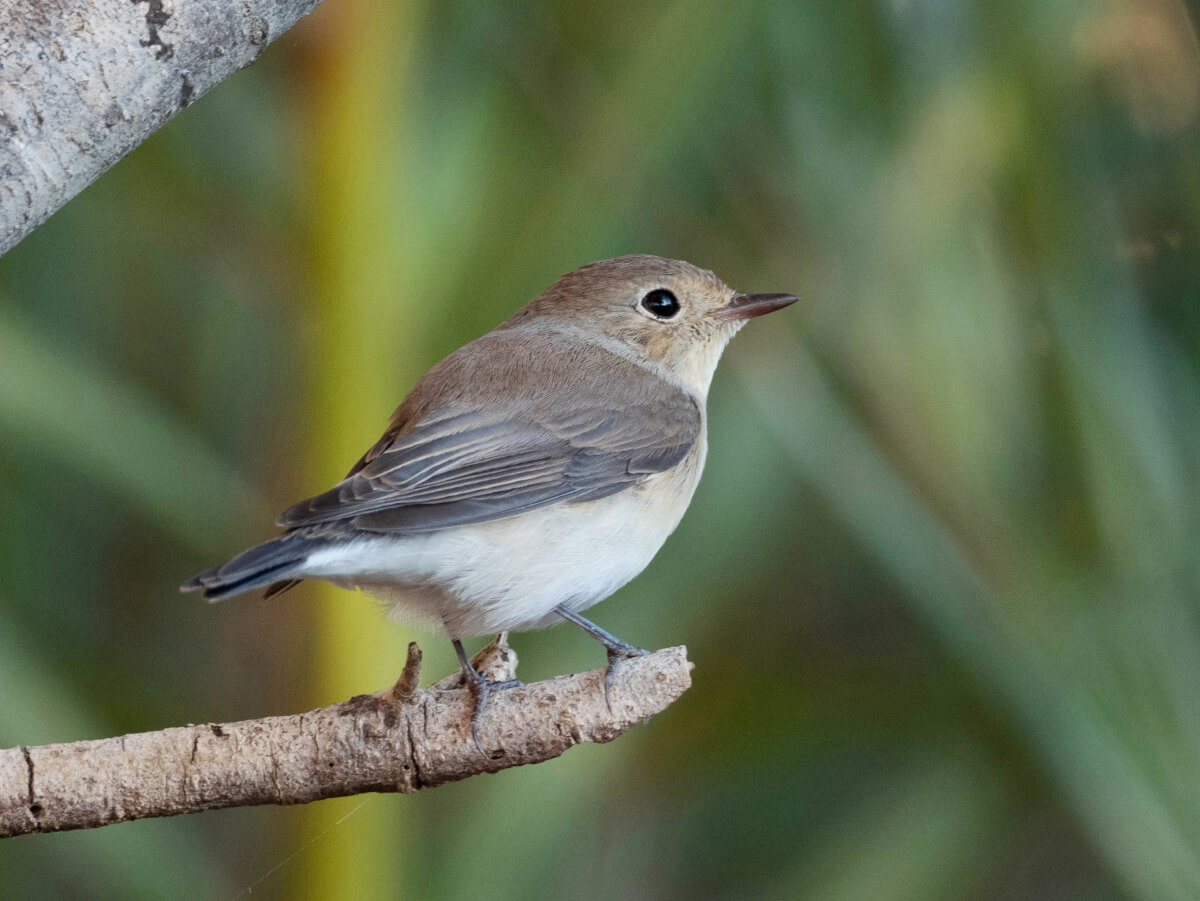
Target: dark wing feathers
463 464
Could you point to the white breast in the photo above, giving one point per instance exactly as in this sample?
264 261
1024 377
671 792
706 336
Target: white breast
510 574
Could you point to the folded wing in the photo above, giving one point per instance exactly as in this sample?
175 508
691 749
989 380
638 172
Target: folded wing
466 463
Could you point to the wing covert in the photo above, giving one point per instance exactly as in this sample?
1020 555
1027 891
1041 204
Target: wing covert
465 463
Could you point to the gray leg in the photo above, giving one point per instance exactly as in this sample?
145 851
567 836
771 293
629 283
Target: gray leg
482 686
617 650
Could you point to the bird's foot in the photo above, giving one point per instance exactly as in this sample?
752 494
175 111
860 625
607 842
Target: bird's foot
616 653
617 650
482 687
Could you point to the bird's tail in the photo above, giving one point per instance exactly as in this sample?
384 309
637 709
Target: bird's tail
271 563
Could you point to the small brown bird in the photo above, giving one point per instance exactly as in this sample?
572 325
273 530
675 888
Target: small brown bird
531 473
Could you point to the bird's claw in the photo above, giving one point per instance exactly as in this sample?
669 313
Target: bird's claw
616 654
482 687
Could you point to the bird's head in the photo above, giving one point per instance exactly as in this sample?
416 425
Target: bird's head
671 314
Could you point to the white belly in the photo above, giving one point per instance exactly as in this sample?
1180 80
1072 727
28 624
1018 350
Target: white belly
510 574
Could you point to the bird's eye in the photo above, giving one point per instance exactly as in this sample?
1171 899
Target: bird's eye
660 303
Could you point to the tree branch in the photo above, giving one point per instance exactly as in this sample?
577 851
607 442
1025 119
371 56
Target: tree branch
83 82
403 739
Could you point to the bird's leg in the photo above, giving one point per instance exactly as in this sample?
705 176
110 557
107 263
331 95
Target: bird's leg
481 686
617 650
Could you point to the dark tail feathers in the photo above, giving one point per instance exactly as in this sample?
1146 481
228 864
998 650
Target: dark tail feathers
269 563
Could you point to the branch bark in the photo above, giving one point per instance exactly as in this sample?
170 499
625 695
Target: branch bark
399 740
83 82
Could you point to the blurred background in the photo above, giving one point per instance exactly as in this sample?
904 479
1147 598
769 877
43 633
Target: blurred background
940 580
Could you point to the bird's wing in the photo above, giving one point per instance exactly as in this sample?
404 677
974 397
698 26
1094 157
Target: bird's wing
468 463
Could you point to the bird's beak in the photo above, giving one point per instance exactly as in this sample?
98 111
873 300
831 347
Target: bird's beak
747 306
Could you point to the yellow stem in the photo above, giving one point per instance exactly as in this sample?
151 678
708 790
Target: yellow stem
365 344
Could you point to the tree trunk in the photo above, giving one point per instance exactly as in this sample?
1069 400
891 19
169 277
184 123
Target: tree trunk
83 82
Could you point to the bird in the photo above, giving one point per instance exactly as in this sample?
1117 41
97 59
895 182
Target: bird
532 472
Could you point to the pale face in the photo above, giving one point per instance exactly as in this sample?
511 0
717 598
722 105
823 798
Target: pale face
673 314
680 325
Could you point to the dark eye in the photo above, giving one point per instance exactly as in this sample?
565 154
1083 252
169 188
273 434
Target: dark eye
661 303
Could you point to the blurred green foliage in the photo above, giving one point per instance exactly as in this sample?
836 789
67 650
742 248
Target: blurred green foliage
940 581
